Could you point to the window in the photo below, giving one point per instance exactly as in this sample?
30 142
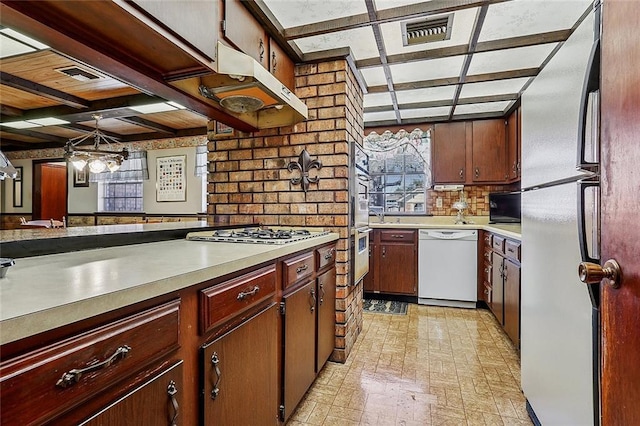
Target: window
120 196
400 172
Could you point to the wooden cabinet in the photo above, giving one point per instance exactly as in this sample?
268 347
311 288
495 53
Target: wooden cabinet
499 282
244 32
489 153
394 262
471 153
513 145
159 401
240 373
326 317
281 66
449 153
47 382
299 344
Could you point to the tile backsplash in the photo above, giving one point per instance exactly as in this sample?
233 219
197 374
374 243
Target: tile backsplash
477 197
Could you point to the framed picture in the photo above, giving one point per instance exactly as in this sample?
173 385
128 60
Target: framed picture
80 177
17 188
221 130
171 180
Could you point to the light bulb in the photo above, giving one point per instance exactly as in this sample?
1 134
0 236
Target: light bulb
97 166
112 165
79 163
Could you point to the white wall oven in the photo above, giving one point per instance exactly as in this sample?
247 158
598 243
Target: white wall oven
359 212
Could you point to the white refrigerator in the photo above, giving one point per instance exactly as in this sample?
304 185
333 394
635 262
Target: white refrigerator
559 314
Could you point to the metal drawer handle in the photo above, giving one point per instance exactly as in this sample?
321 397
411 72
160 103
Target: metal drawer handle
329 254
274 62
322 293
302 268
73 376
510 250
215 361
313 300
261 47
461 173
172 390
397 236
477 172
244 294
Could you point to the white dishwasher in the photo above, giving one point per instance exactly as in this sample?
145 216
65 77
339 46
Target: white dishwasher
447 267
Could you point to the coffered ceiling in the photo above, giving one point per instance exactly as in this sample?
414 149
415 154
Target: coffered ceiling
491 51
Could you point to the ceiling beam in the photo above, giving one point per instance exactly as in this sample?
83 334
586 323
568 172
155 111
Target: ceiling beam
36 134
139 121
41 90
446 102
418 10
9 111
195 131
463 49
477 78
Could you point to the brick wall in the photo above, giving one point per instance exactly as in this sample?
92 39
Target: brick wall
477 198
249 182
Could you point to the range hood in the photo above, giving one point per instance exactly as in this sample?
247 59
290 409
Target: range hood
245 89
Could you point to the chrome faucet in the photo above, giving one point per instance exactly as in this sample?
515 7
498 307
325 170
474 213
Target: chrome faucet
379 215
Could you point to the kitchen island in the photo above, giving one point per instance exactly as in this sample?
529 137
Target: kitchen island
91 335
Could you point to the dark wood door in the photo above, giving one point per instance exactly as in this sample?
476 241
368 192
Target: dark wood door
513 143
497 286
299 345
326 316
281 66
620 109
489 154
50 191
370 279
242 29
512 301
398 269
449 153
157 402
241 370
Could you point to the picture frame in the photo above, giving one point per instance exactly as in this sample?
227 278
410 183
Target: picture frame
17 188
80 178
171 178
221 130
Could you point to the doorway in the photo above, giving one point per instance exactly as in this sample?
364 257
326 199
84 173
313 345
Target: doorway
49 189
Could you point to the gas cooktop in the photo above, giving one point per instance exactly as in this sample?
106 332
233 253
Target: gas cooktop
256 235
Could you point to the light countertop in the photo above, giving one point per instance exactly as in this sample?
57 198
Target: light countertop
447 222
45 292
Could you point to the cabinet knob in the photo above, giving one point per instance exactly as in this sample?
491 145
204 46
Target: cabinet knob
461 173
477 172
592 273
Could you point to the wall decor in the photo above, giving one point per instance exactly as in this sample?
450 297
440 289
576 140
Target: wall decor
17 188
221 130
80 177
171 181
304 164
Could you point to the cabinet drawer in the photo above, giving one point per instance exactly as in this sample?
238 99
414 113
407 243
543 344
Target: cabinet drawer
498 243
42 384
326 256
299 267
397 235
224 301
488 240
512 249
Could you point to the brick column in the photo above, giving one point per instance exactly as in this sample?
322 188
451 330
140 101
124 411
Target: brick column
249 181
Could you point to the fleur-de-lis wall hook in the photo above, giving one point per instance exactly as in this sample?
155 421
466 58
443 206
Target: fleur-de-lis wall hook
304 164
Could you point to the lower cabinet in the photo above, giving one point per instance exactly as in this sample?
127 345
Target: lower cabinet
394 262
326 317
500 282
156 402
299 344
240 373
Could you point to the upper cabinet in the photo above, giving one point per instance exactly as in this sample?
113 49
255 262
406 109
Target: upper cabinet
242 30
475 153
449 152
513 145
245 32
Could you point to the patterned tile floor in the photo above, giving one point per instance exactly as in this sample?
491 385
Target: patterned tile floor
433 366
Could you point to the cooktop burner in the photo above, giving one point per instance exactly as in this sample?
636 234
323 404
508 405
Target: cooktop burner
255 235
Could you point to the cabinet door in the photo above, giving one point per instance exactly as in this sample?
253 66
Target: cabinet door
326 316
512 301
513 151
156 402
369 279
497 286
449 153
398 269
281 66
489 153
299 345
241 368
242 29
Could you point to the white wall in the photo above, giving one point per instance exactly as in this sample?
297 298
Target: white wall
27 189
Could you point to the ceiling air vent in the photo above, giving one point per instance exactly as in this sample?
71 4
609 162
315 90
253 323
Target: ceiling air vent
427 30
78 73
